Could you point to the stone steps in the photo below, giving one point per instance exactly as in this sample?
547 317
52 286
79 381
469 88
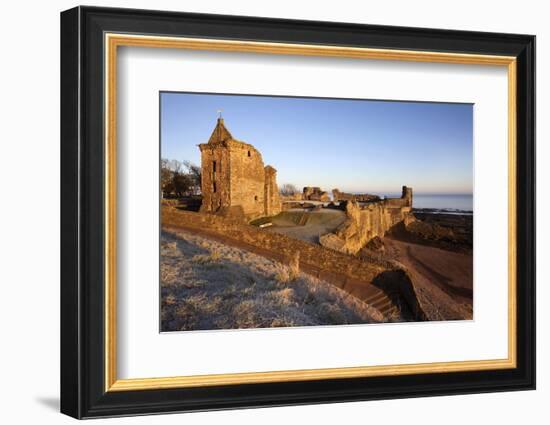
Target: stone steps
303 219
373 296
376 299
384 306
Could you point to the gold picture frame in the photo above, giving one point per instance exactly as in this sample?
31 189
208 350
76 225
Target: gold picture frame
114 41
91 40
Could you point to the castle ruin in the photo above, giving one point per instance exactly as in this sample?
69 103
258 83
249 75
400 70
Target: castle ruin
369 220
235 182
359 197
315 194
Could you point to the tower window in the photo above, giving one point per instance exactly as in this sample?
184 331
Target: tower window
214 187
256 197
214 166
248 153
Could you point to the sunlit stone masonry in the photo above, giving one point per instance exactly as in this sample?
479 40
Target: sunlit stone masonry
235 182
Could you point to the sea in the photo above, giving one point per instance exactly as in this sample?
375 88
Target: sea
442 203
464 203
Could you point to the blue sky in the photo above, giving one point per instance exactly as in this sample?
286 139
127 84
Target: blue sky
354 145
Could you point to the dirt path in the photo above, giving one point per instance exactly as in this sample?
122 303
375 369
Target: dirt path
444 277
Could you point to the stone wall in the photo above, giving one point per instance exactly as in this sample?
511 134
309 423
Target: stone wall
359 197
405 200
247 179
234 179
365 222
362 279
315 194
291 198
287 247
215 182
272 201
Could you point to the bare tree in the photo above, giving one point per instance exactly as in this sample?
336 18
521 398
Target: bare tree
166 176
176 166
288 189
195 172
179 178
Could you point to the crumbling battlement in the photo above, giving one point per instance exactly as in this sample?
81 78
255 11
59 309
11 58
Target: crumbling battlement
315 194
368 221
295 197
359 197
272 200
405 200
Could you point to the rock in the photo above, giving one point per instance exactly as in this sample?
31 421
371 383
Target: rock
376 244
331 241
429 231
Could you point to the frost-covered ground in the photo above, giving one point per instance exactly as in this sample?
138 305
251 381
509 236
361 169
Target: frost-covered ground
208 285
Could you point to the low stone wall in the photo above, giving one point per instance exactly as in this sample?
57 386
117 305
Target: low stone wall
169 202
364 280
290 198
359 197
366 222
286 246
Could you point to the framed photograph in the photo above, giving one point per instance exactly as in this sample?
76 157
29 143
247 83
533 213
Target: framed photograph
261 212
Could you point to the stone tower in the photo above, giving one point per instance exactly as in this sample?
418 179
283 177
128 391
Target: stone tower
407 195
234 180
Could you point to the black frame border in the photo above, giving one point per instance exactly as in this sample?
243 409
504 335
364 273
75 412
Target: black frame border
82 207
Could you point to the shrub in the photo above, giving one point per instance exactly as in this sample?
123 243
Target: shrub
285 274
211 258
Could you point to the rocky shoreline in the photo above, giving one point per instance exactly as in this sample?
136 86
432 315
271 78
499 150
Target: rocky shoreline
452 231
449 211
